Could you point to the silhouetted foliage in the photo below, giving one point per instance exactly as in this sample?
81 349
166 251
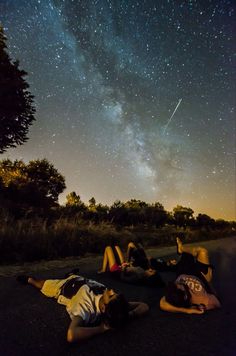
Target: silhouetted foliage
135 212
72 199
16 102
182 215
49 232
37 183
156 214
92 203
203 220
118 213
222 224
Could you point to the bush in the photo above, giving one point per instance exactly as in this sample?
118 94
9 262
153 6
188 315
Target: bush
37 238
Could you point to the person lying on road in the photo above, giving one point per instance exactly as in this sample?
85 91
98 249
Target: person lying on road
137 273
92 307
191 293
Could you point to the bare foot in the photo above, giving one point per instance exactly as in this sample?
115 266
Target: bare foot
100 271
179 246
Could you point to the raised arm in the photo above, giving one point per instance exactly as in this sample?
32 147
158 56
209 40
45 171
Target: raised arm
77 332
137 309
164 305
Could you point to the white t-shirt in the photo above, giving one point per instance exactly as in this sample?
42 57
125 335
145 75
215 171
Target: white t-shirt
85 303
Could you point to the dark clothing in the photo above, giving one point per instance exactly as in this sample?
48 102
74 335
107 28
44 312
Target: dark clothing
138 258
188 265
71 286
162 266
135 273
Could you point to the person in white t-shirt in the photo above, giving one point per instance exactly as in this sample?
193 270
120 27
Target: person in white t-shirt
191 292
92 307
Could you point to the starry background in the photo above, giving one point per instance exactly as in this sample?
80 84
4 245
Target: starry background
107 76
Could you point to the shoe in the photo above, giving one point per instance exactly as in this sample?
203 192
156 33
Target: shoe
23 279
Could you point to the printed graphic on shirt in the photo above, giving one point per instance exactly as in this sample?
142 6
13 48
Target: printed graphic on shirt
193 283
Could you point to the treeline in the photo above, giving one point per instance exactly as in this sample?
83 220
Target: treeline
34 226
136 212
32 190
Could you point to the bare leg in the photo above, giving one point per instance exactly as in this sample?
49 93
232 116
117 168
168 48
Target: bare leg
120 254
108 259
37 283
200 253
131 246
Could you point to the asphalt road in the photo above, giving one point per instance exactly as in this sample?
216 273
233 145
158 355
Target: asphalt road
32 324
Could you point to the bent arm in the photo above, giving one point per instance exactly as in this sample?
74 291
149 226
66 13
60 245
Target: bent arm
78 332
137 309
164 305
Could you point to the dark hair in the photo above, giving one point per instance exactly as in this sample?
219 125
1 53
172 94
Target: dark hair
139 257
116 312
178 297
154 280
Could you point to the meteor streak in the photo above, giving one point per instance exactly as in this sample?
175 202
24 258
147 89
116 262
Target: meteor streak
164 131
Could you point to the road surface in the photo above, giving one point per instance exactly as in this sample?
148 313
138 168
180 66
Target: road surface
32 324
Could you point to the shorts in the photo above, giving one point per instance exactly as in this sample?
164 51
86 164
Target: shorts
115 268
52 287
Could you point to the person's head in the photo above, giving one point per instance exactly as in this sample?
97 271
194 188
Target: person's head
178 295
153 279
115 309
139 257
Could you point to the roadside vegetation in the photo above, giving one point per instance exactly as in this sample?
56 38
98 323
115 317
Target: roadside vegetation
35 227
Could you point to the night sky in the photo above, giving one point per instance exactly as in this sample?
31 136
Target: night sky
108 78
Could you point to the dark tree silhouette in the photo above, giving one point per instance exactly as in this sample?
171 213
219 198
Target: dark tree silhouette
155 214
47 178
92 203
204 220
118 213
182 215
37 183
73 199
16 102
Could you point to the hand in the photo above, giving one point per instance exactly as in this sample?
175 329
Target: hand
125 264
199 309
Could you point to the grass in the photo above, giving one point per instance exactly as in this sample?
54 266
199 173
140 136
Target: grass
39 239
